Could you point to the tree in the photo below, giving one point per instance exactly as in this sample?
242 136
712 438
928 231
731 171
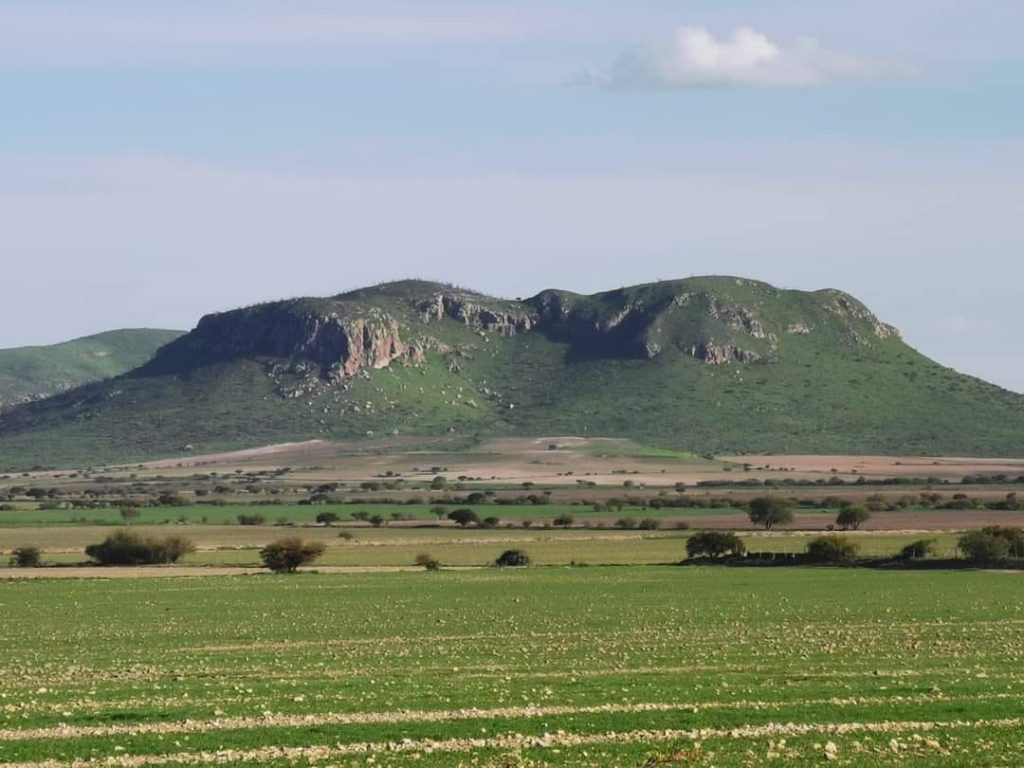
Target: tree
831 549
377 521
439 512
650 524
328 518
490 522
26 557
463 516
129 513
714 544
439 483
563 521
852 517
512 558
916 550
992 544
770 511
287 555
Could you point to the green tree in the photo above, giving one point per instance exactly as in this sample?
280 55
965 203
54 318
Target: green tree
287 555
769 511
852 517
463 517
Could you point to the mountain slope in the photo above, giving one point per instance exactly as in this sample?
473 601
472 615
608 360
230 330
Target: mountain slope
707 364
32 373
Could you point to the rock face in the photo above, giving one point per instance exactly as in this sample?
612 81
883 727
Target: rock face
342 346
463 309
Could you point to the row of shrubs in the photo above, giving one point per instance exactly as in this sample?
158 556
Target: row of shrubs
988 545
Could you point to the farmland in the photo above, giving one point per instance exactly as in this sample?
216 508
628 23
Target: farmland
543 666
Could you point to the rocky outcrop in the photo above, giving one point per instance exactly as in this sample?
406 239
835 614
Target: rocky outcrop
477 316
341 346
844 306
719 354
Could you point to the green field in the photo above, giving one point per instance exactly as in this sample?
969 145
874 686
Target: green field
544 666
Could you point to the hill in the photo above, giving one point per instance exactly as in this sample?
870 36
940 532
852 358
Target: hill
34 373
707 364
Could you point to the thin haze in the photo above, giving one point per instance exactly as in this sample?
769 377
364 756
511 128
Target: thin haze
162 160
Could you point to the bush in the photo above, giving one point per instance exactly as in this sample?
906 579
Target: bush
124 548
626 522
649 524
992 544
769 511
1014 537
490 522
427 561
916 550
251 519
328 518
852 518
563 521
286 555
714 544
831 549
26 557
512 558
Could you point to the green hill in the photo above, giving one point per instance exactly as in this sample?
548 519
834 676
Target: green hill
33 373
706 364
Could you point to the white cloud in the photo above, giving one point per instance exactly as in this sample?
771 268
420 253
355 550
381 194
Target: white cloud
694 57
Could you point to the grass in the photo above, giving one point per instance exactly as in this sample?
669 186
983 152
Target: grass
510 668
838 389
28 372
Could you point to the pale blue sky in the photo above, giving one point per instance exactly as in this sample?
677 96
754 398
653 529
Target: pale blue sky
161 160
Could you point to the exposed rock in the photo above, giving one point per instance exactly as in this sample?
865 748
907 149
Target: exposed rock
718 354
477 316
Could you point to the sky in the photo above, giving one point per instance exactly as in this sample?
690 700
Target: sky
160 160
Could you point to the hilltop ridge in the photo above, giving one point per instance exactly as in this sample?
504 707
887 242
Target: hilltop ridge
706 364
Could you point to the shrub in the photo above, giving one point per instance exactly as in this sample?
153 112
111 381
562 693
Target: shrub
852 518
26 557
124 548
992 544
512 558
563 521
916 550
714 544
328 518
377 521
649 524
1013 536
769 511
251 519
427 561
831 549
626 522
490 522
286 555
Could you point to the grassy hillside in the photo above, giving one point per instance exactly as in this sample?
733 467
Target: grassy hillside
31 373
709 364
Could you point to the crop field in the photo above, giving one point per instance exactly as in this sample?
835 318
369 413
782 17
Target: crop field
599 666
